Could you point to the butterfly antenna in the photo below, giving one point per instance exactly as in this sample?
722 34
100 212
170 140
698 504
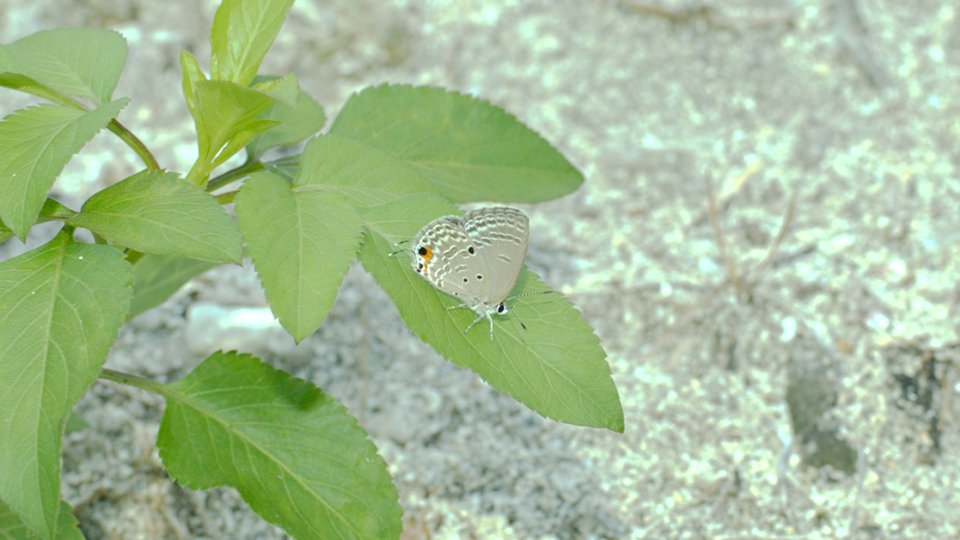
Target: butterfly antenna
401 250
519 321
535 293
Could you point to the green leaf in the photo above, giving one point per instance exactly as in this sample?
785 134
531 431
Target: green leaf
243 137
556 366
298 118
61 306
156 277
226 119
75 423
51 211
284 89
12 528
223 110
158 212
78 62
362 175
302 243
35 144
191 75
27 85
467 148
242 33
287 167
294 454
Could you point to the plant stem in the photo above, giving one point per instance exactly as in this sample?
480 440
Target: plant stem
133 380
199 175
234 174
134 143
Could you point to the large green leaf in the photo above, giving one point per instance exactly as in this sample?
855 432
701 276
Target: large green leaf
467 148
78 62
298 114
242 33
361 174
555 366
158 212
35 144
61 306
302 243
294 454
156 277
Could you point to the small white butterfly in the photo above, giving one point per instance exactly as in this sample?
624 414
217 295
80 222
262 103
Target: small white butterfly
476 258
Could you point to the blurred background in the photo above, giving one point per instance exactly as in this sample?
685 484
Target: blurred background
767 243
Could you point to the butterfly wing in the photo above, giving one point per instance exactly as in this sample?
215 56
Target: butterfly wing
441 249
500 235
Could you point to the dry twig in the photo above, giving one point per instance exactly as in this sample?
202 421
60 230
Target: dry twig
785 225
728 262
695 11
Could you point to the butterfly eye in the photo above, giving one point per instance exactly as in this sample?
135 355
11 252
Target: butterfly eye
501 308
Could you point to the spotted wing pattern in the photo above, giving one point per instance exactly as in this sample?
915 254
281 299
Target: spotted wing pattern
438 248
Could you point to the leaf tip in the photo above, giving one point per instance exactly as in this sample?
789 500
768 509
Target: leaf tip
617 423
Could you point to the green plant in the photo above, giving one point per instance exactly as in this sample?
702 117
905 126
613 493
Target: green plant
394 158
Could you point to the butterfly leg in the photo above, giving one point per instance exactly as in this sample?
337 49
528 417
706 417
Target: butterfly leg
479 318
475 321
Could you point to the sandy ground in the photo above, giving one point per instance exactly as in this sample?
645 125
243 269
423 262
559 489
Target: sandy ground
827 133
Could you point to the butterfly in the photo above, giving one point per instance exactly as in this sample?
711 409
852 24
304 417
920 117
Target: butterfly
476 258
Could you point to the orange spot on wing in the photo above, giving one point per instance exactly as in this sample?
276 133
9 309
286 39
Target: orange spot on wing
426 255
